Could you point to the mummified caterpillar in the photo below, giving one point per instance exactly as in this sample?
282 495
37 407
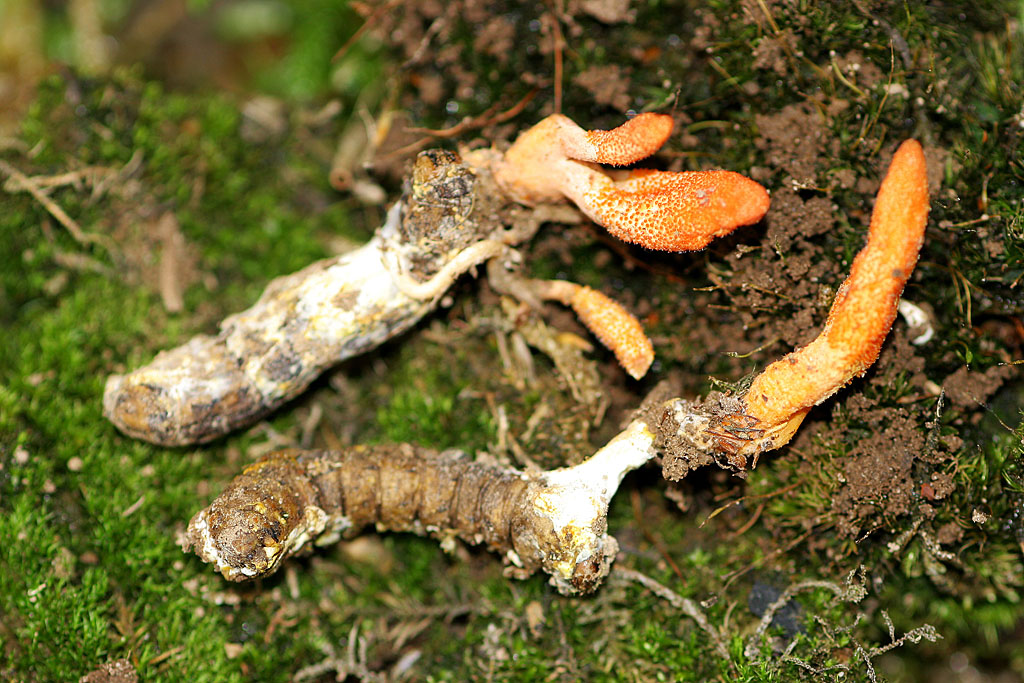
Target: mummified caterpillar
552 521
447 222
312 319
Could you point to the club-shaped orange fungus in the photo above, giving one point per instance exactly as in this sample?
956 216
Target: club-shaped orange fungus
671 211
864 310
636 139
656 209
616 327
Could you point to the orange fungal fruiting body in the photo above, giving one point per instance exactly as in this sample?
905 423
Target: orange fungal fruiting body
862 314
610 322
674 211
655 209
636 139
617 329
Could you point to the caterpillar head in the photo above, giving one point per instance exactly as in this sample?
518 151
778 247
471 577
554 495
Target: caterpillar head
260 519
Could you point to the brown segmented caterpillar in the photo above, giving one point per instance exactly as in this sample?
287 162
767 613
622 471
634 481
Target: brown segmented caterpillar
550 521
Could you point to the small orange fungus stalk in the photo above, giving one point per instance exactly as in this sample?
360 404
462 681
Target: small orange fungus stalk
616 327
864 310
658 210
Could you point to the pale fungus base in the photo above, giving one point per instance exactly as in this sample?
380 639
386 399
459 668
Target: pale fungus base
311 320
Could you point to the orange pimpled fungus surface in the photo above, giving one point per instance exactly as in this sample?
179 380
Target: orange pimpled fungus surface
636 139
656 209
675 211
617 329
864 309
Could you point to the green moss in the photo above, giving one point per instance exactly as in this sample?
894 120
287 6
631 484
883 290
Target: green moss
68 478
423 405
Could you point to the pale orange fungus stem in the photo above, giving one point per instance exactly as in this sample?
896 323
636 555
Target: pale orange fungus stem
862 314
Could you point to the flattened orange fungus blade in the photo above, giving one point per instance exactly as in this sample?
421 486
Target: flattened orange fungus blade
864 309
675 211
636 139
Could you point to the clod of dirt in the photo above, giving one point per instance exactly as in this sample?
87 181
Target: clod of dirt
792 271
609 85
770 52
968 389
117 671
878 476
609 11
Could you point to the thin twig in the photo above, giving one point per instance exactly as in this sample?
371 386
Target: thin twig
685 605
769 614
366 25
436 27
23 182
487 118
558 46
651 538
